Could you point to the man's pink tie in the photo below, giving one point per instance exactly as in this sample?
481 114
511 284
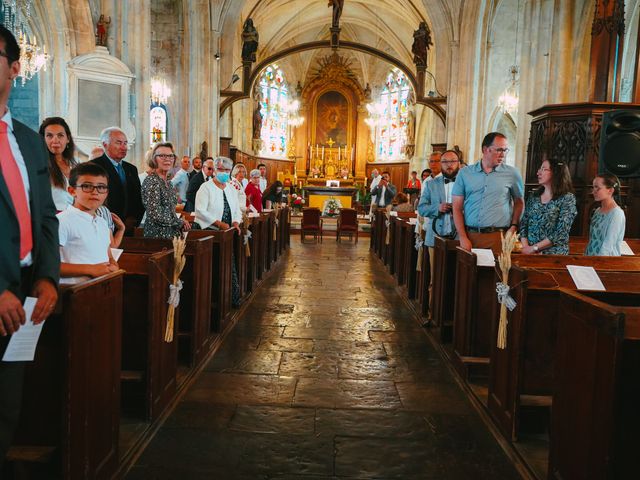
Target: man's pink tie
13 179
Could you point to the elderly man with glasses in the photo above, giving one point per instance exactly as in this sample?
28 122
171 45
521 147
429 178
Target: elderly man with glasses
488 197
125 197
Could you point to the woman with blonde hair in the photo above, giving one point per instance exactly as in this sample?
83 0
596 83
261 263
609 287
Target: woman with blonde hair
160 197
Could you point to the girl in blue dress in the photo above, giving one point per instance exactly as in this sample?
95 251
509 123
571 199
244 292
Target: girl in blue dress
606 231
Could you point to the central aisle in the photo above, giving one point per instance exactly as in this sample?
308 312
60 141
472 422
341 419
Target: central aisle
326 375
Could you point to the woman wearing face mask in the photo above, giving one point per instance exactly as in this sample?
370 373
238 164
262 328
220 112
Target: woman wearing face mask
273 195
217 209
606 231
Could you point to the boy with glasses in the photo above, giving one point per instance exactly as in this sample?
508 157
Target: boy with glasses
84 236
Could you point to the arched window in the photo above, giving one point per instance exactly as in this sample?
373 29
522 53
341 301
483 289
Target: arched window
393 112
274 99
159 122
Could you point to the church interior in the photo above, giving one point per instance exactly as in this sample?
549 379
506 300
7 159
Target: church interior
307 343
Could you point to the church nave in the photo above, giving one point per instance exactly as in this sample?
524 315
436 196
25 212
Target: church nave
327 374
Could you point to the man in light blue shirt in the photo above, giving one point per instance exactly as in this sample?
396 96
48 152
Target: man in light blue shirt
488 195
181 179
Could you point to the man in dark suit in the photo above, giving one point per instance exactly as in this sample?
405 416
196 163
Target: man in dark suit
195 183
125 197
29 250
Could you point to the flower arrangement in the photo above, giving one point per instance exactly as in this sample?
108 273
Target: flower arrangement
331 207
296 201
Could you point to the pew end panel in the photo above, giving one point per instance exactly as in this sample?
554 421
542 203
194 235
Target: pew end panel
77 371
588 362
194 336
149 363
221 260
444 282
474 316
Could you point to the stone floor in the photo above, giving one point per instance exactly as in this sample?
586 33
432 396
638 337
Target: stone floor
327 375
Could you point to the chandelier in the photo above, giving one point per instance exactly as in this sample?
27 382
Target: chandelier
16 15
508 101
160 91
510 98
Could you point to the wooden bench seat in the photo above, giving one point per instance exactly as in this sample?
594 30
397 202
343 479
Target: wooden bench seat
194 326
595 418
71 400
525 367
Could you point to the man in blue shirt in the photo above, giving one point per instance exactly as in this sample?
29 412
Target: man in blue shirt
487 196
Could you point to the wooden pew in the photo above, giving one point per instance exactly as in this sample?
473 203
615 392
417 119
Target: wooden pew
595 418
254 262
242 264
475 307
286 228
445 274
422 282
522 373
221 259
444 291
71 400
410 261
269 244
194 327
577 245
149 364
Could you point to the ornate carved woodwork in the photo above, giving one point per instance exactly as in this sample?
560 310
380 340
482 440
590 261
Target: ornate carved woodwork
571 132
607 40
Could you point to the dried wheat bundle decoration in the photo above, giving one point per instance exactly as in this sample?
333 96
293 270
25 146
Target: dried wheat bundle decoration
246 234
179 244
502 288
419 241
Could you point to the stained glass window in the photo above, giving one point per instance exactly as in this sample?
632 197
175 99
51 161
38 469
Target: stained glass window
274 100
158 118
393 110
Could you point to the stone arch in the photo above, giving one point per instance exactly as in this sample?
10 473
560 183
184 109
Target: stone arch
504 123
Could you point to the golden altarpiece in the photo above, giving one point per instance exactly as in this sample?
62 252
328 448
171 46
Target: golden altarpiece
335 138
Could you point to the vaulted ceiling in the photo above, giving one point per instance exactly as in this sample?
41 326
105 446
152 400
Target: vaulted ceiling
386 25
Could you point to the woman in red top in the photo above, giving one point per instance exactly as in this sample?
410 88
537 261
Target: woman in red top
413 181
252 190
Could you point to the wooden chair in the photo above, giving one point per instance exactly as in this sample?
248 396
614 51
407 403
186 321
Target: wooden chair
347 223
311 223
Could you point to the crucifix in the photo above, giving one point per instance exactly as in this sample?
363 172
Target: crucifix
335 21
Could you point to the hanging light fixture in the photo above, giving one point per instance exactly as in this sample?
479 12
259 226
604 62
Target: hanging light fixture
160 91
16 15
510 98
508 101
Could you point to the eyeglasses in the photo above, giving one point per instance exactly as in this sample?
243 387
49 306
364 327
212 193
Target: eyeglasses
502 150
166 156
208 168
89 188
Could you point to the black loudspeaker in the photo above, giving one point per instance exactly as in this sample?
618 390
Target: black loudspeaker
620 143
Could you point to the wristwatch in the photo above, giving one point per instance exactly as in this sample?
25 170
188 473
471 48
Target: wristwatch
535 248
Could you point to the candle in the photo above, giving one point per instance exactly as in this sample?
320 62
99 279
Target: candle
338 152
322 152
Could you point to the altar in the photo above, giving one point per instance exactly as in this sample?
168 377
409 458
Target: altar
317 195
